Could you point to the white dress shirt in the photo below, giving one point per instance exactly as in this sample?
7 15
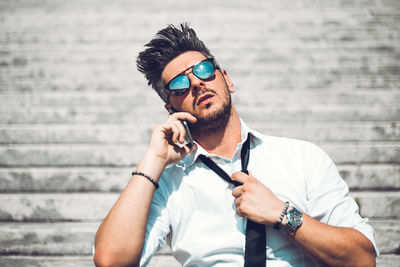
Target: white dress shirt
193 210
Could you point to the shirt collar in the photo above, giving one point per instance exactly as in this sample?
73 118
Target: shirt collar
244 131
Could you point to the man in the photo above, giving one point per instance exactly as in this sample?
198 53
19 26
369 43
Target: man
201 216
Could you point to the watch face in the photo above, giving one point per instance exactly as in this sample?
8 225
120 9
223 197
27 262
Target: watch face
295 218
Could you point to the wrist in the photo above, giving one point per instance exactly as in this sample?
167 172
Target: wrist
284 220
154 182
278 224
292 221
152 165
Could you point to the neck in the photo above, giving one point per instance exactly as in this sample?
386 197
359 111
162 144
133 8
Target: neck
221 141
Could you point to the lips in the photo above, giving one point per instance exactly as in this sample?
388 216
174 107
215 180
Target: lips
204 98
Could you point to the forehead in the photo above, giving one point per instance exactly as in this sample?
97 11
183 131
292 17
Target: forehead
181 63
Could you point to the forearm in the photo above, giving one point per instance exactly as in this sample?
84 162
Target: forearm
334 246
120 238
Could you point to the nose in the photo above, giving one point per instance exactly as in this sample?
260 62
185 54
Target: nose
195 82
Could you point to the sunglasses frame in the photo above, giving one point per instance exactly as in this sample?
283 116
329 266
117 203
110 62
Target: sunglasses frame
179 92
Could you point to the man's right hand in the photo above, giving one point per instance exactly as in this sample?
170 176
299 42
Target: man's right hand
165 135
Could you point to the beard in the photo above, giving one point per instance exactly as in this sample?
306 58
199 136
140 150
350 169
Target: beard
215 120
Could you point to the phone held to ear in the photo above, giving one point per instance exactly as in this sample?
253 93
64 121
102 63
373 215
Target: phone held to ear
188 138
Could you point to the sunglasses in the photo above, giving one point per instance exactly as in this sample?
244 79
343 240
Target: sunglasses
180 84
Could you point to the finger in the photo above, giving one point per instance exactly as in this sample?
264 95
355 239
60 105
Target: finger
237 202
237 191
177 126
240 177
182 131
175 132
240 210
183 116
175 129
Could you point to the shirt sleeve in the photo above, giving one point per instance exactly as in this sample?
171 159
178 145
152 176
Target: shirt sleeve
328 197
157 225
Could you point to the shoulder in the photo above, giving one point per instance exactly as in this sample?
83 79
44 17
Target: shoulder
291 150
169 184
288 145
171 178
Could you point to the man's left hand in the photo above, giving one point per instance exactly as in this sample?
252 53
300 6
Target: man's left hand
255 201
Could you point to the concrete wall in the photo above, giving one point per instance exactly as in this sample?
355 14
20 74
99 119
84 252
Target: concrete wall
75 115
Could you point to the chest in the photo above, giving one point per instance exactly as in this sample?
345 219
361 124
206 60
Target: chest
203 207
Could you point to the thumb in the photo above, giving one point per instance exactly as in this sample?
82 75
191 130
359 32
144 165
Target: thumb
240 177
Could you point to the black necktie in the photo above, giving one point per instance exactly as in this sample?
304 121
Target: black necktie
255 251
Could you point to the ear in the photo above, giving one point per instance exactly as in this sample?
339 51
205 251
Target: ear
169 108
228 81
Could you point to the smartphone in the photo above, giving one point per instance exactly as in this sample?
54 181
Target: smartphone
188 138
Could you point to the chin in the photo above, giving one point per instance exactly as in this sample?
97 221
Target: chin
214 119
209 111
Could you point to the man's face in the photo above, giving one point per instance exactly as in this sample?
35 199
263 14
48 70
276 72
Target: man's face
208 100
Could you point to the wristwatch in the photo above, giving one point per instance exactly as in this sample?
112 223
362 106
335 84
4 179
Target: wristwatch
294 219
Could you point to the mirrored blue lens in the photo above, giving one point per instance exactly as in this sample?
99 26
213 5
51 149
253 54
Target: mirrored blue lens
179 83
204 69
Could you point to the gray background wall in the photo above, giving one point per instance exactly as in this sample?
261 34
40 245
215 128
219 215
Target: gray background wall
75 115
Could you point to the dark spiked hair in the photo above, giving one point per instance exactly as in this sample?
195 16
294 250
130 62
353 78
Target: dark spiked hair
169 43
